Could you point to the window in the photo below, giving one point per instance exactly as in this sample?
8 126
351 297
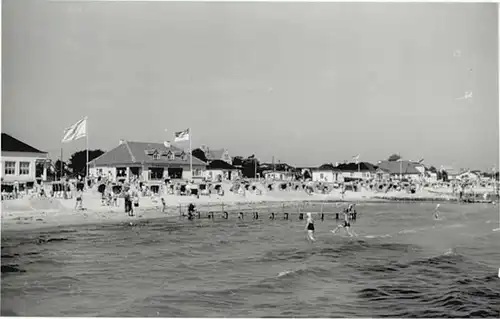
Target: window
321 175
156 156
24 168
10 168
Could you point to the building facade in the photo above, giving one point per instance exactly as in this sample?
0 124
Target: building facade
327 173
20 161
362 171
279 176
218 171
404 170
146 162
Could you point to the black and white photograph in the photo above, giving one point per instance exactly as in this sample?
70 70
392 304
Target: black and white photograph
250 159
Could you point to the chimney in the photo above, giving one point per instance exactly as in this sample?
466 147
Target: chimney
121 142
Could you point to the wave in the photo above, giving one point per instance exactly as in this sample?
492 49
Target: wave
13 268
448 285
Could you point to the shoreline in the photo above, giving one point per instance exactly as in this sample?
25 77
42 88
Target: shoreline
36 213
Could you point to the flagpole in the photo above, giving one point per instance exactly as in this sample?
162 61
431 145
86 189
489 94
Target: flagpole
61 172
190 154
87 147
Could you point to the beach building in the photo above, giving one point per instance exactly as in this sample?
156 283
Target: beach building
279 175
404 170
327 173
468 175
430 176
19 163
217 154
382 174
219 170
278 171
358 171
147 162
451 173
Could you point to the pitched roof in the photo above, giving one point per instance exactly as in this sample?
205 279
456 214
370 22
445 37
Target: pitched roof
397 167
327 167
278 167
11 144
353 167
140 153
219 164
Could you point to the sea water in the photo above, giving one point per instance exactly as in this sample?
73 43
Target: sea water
402 264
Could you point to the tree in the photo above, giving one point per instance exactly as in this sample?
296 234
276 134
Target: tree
238 161
57 169
439 176
199 154
78 161
250 165
394 157
444 176
433 169
307 175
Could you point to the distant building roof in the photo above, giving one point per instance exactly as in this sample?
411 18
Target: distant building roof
278 167
219 164
129 153
11 144
212 155
397 167
353 167
327 167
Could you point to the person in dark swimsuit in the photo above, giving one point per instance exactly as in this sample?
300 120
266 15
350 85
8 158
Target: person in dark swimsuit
191 211
346 225
310 227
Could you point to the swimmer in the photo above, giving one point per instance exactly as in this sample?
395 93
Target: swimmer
191 210
436 212
310 227
346 225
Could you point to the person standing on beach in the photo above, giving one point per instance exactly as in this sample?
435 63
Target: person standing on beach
164 208
310 227
79 200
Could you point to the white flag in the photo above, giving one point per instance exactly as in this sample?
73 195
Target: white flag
75 131
166 144
355 158
182 136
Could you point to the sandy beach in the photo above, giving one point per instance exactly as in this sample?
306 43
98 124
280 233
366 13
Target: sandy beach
32 213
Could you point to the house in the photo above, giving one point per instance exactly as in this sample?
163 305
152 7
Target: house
381 175
327 173
217 154
218 171
147 161
468 175
404 169
20 161
358 171
430 176
451 173
279 175
278 171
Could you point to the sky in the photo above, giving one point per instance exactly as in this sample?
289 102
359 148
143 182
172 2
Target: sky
307 83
